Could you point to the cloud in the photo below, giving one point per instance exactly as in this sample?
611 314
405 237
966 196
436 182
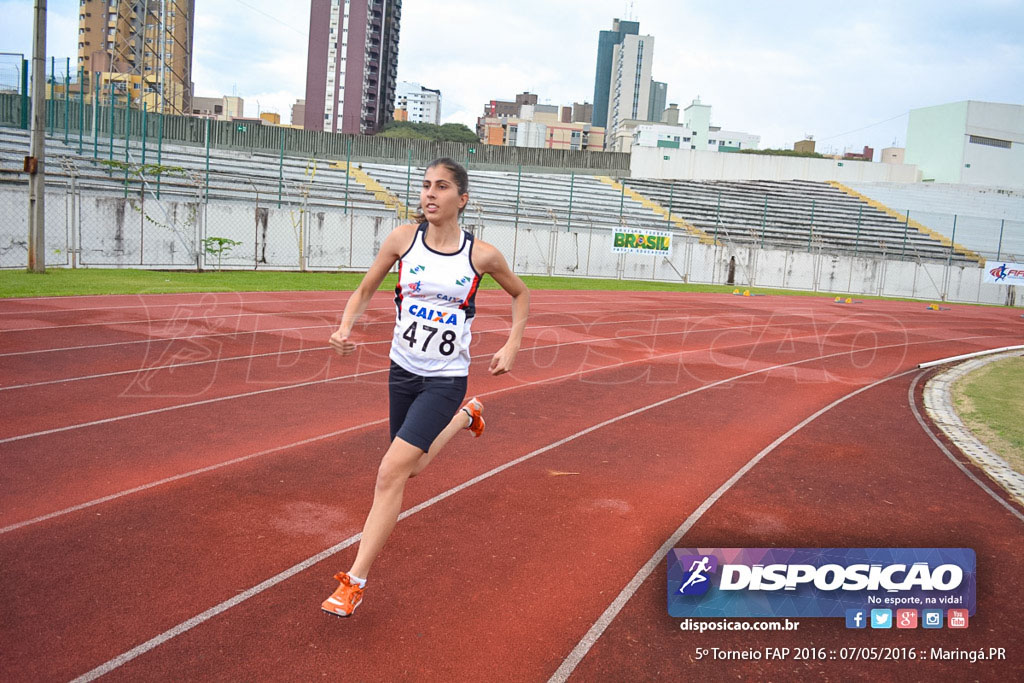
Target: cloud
778 69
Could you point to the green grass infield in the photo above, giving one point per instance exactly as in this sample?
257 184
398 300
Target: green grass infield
992 409
91 281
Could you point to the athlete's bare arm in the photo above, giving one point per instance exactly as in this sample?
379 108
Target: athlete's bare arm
487 259
395 244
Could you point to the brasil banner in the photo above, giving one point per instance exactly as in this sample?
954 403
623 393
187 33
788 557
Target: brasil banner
629 241
1003 273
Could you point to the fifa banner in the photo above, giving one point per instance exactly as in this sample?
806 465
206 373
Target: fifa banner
628 241
1005 274
818 582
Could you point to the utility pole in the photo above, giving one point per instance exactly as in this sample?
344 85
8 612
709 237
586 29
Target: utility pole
34 163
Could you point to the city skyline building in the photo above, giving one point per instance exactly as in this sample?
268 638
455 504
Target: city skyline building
421 104
525 123
351 65
630 85
606 44
223 108
658 101
143 48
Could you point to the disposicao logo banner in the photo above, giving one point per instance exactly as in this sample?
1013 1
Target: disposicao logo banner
1005 273
642 242
817 582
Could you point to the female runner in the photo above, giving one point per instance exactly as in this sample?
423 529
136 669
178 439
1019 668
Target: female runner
440 267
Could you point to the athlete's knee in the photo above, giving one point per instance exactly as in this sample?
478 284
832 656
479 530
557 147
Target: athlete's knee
391 474
396 467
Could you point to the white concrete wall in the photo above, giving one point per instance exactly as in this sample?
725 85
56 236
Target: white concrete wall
935 141
994 165
686 164
938 141
115 232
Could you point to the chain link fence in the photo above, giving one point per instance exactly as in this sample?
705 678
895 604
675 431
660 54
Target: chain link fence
117 196
187 227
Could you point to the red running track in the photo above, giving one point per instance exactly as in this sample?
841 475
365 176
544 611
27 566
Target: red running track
183 474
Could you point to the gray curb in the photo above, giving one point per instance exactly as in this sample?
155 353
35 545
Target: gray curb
938 403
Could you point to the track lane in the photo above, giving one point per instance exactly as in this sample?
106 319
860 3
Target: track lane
839 484
721 358
587 405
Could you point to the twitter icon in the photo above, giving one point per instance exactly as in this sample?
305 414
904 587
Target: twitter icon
881 618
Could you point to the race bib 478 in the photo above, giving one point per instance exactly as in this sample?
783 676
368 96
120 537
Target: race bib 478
431 332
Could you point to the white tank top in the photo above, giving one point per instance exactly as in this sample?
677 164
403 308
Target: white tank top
434 308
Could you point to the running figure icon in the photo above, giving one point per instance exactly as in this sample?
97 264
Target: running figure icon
697 571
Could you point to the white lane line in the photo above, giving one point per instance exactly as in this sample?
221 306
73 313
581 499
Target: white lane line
46 311
956 461
209 468
185 475
199 295
199 306
591 637
189 624
82 297
323 348
656 319
258 392
966 356
241 333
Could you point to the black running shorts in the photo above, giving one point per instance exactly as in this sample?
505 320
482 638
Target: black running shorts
421 407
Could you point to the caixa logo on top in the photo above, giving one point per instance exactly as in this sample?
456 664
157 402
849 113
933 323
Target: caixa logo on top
816 582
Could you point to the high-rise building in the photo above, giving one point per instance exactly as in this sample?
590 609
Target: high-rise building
606 43
351 65
630 85
142 47
422 105
659 97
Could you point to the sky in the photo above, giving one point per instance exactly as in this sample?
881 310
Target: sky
845 73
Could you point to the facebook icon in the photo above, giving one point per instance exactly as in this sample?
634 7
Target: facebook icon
856 618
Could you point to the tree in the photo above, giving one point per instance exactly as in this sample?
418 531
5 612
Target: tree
449 132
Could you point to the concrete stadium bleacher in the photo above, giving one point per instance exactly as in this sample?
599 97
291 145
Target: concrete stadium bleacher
233 176
793 214
983 214
532 199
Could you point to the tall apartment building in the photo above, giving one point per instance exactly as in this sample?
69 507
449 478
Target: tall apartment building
659 100
351 65
606 43
623 89
423 105
630 91
142 47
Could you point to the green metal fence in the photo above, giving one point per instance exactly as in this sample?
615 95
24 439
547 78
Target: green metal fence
73 116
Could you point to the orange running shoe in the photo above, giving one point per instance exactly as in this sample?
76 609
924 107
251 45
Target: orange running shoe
474 408
344 600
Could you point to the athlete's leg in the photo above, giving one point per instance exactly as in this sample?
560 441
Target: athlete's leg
394 471
459 422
